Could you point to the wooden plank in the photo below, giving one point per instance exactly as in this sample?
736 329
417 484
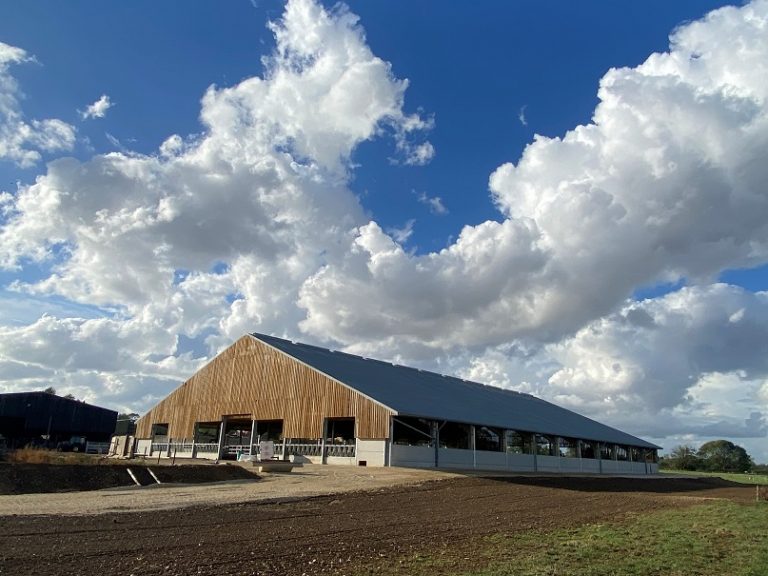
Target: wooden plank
255 380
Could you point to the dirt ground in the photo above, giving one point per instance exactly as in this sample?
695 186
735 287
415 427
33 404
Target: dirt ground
310 480
23 478
352 533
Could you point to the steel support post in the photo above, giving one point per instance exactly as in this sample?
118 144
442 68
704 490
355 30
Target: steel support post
473 444
252 438
222 428
323 458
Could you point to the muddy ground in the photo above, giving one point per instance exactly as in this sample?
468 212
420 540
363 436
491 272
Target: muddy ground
353 533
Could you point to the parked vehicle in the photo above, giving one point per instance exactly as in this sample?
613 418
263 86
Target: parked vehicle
74 444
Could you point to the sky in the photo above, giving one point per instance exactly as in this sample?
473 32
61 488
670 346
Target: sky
563 199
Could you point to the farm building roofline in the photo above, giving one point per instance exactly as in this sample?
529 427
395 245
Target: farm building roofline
416 392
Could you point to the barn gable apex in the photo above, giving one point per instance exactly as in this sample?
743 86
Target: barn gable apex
251 379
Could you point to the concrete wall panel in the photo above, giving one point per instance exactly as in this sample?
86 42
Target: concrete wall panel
413 456
373 452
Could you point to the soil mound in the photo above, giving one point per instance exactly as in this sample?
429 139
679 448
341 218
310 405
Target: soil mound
654 484
37 478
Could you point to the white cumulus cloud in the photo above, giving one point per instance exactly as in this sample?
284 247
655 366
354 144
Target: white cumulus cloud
680 361
98 109
666 183
251 225
21 140
214 235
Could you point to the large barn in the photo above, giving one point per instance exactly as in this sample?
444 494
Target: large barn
331 407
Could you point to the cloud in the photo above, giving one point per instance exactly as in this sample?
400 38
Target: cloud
435 203
251 225
98 109
21 141
112 361
214 235
115 142
466 294
521 115
666 184
268 157
172 146
669 366
420 154
321 58
401 235
694 360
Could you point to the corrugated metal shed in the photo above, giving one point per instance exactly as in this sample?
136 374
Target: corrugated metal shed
414 392
30 414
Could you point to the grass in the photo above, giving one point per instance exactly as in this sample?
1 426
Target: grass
746 478
713 539
31 455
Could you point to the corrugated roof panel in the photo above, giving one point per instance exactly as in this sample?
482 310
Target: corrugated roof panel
414 392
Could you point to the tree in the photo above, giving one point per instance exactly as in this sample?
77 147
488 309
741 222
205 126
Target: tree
70 397
50 390
724 456
132 416
683 458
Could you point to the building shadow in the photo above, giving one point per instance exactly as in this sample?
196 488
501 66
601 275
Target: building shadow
652 484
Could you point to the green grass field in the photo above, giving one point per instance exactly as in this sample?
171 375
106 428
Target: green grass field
714 539
761 479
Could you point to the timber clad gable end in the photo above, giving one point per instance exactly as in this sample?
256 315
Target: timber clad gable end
250 378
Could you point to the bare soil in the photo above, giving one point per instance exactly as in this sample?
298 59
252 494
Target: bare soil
311 480
16 478
363 532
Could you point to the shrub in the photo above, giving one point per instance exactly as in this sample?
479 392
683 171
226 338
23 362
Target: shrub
30 455
34 455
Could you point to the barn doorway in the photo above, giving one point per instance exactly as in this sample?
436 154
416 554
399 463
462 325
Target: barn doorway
339 438
237 432
207 432
237 437
340 430
267 430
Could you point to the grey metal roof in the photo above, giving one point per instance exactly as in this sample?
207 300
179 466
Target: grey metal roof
413 392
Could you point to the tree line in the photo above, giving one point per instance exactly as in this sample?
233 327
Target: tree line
714 456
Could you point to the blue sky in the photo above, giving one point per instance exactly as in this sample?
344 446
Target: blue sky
518 249
155 60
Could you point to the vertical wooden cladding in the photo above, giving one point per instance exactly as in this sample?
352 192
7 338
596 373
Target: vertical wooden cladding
253 378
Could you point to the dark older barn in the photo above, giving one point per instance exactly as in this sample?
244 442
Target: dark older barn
46 419
332 407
